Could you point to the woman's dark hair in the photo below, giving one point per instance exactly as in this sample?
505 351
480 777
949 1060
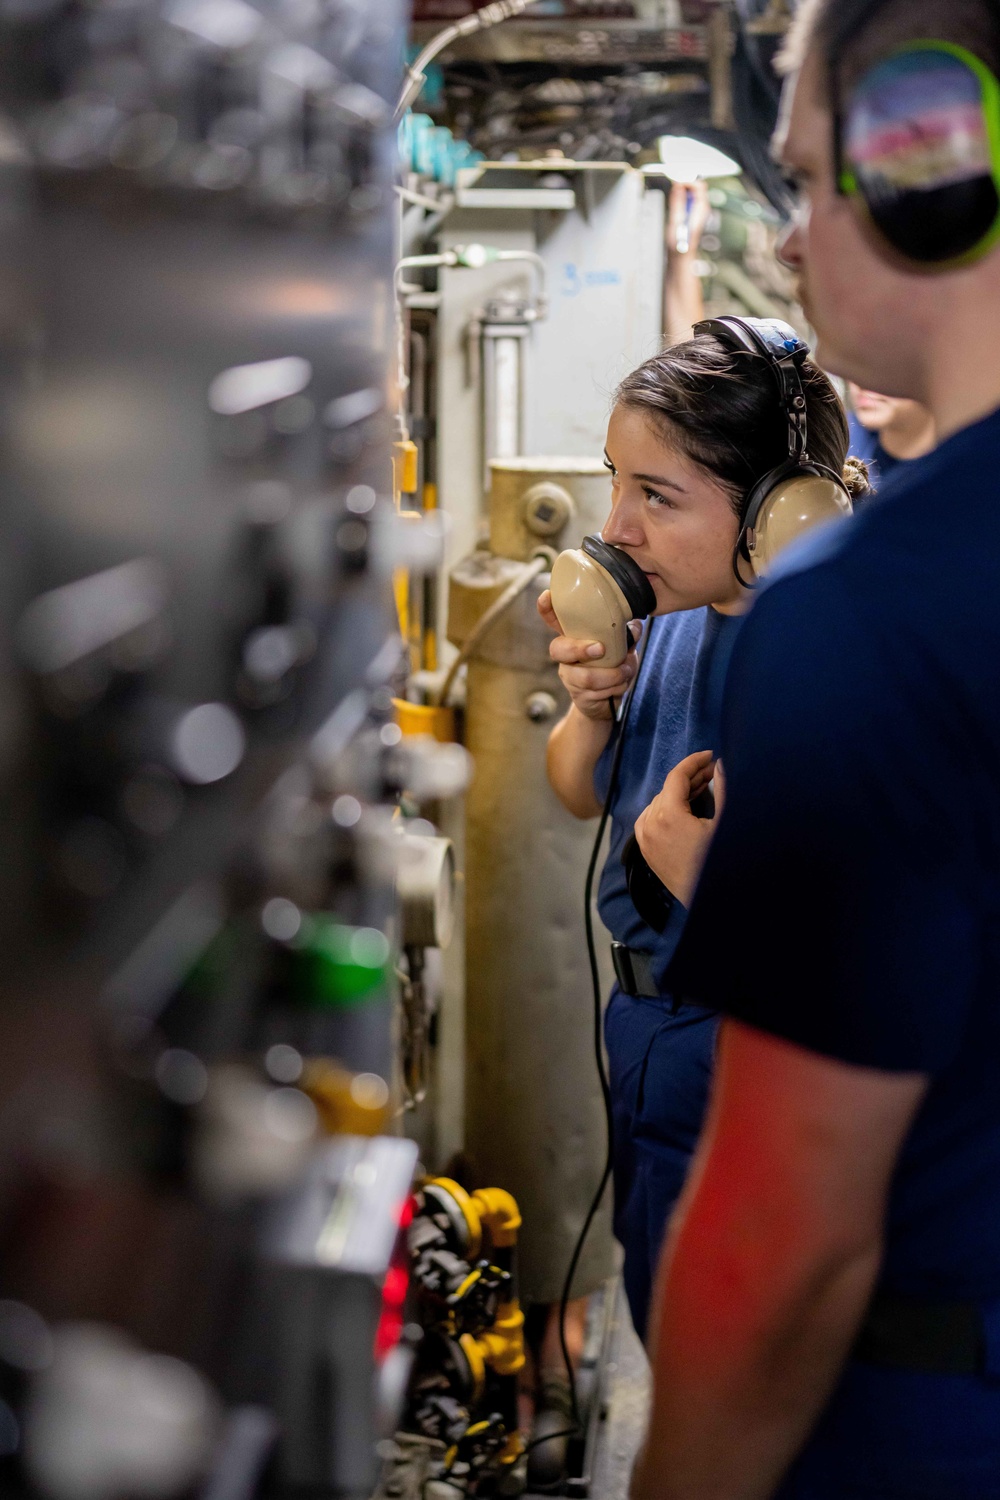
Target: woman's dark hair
720 407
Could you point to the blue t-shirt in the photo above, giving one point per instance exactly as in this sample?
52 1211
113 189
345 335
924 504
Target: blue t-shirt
676 710
855 872
867 445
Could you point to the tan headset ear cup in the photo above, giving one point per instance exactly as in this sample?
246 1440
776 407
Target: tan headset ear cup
792 508
590 606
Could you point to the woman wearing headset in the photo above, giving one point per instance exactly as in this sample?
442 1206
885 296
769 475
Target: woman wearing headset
692 431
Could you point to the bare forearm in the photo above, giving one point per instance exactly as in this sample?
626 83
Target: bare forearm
769 1263
683 299
575 747
738 1388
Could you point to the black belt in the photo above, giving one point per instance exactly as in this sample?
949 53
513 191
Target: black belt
936 1338
633 970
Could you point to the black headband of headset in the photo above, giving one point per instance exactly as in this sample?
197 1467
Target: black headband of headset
776 342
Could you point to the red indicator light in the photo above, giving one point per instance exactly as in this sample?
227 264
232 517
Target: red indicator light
394 1290
390 1323
395 1287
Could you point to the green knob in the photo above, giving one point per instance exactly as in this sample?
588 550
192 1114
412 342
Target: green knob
338 965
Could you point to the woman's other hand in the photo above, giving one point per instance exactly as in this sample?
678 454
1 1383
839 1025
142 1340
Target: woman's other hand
673 841
592 688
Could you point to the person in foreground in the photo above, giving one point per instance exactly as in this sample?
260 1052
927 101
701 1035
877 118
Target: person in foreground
827 1315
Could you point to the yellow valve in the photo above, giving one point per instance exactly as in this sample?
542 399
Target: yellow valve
500 1214
512 1449
404 468
470 1211
477 1364
401 594
346 1103
491 1208
503 1346
509 1453
468 1283
423 718
451 1454
429 652
500 1348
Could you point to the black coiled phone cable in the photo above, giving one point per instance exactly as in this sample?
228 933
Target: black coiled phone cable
624 710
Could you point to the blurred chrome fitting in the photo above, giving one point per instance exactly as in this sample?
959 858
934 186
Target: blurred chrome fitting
107 1418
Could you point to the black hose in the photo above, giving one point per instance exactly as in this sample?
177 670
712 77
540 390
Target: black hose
550 1437
602 1074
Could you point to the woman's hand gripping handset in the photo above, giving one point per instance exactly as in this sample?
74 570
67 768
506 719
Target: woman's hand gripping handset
594 689
673 840
576 742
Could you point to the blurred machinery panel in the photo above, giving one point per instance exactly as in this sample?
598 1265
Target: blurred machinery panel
201 1287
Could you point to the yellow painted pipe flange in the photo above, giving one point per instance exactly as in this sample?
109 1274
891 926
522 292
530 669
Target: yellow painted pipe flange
468 1208
500 1214
470 1347
502 1346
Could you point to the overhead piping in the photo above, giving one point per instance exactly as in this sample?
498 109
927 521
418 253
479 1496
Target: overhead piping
490 15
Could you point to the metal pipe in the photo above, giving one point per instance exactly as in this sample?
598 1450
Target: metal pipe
490 15
506 435
474 257
402 288
439 258
423 201
418 374
533 258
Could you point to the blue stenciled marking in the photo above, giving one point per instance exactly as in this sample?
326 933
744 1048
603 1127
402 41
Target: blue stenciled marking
574 281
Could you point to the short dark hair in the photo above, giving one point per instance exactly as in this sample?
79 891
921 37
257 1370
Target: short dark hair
719 406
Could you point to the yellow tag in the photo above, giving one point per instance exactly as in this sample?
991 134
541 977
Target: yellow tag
404 468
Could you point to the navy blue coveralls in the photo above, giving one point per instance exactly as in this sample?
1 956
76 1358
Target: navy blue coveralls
861 740
659 1052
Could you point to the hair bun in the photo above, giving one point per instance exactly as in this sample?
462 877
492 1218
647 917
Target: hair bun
857 479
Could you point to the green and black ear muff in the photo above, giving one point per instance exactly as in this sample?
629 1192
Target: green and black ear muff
918 144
